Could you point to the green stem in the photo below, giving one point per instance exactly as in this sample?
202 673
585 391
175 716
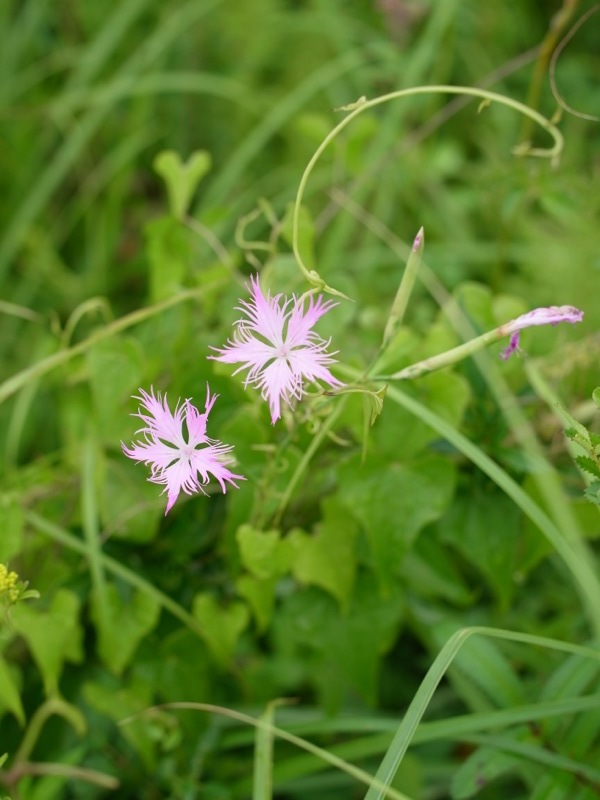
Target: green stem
90 529
52 706
15 382
448 357
305 460
363 104
111 565
331 759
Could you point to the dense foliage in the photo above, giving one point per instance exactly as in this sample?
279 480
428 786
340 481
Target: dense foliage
151 158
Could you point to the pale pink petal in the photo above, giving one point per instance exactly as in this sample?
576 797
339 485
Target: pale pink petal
545 316
301 321
287 351
551 315
174 458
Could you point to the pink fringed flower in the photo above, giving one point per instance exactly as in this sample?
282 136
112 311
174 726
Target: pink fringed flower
278 347
178 457
539 316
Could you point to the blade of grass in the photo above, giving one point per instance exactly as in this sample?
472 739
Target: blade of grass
229 175
91 530
262 778
360 775
458 729
586 580
46 365
63 537
406 731
82 131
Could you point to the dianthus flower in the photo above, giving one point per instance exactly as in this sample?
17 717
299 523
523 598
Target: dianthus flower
539 316
276 344
179 457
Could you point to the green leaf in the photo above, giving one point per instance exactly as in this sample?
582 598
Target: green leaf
594 438
596 396
398 435
589 465
131 616
431 572
592 493
116 370
260 595
480 769
328 557
393 502
485 528
263 553
118 702
181 179
132 509
53 636
221 627
341 651
9 693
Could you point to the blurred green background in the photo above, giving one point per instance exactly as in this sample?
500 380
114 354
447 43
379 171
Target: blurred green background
90 94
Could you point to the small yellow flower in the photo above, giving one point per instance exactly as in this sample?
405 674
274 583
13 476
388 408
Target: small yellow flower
8 584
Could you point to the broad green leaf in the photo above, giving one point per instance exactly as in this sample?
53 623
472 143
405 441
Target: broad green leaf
221 627
596 396
327 558
132 508
53 636
341 652
131 616
431 572
393 502
260 596
263 553
398 435
116 370
9 693
477 301
11 525
485 528
181 179
181 667
117 702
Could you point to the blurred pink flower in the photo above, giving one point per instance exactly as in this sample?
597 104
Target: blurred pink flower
278 347
539 316
176 459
